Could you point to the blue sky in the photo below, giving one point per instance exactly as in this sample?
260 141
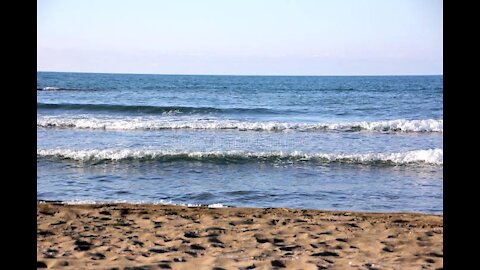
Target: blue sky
248 37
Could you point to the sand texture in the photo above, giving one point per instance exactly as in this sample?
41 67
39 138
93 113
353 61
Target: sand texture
129 236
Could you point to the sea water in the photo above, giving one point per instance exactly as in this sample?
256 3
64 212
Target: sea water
367 143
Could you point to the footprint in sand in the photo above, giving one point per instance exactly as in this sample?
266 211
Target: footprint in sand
191 235
82 245
197 247
325 254
278 263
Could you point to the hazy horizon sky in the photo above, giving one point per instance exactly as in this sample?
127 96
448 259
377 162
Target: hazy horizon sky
261 37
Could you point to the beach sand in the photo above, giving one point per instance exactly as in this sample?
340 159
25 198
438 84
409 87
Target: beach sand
141 236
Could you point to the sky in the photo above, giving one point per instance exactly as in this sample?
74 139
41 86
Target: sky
241 37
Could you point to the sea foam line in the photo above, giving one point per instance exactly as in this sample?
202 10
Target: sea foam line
144 123
428 156
158 202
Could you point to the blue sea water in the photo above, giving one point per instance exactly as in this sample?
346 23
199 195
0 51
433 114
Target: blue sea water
340 143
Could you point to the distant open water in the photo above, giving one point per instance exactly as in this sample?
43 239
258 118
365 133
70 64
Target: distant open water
336 143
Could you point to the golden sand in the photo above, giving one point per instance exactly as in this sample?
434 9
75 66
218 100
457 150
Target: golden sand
132 236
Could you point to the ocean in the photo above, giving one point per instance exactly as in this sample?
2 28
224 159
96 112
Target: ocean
354 143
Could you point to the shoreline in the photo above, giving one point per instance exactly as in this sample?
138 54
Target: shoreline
221 206
160 236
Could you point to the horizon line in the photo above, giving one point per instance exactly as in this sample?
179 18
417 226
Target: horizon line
245 75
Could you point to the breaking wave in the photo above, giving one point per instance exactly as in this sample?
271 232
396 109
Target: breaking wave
429 156
143 123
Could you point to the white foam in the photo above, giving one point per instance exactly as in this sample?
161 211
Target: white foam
152 123
429 156
159 202
50 88
216 205
425 125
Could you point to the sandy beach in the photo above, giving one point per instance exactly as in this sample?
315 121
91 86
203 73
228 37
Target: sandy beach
132 236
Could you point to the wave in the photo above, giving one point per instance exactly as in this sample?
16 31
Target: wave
148 109
54 88
49 88
158 202
144 123
430 156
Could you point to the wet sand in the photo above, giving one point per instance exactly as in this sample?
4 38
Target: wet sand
142 236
